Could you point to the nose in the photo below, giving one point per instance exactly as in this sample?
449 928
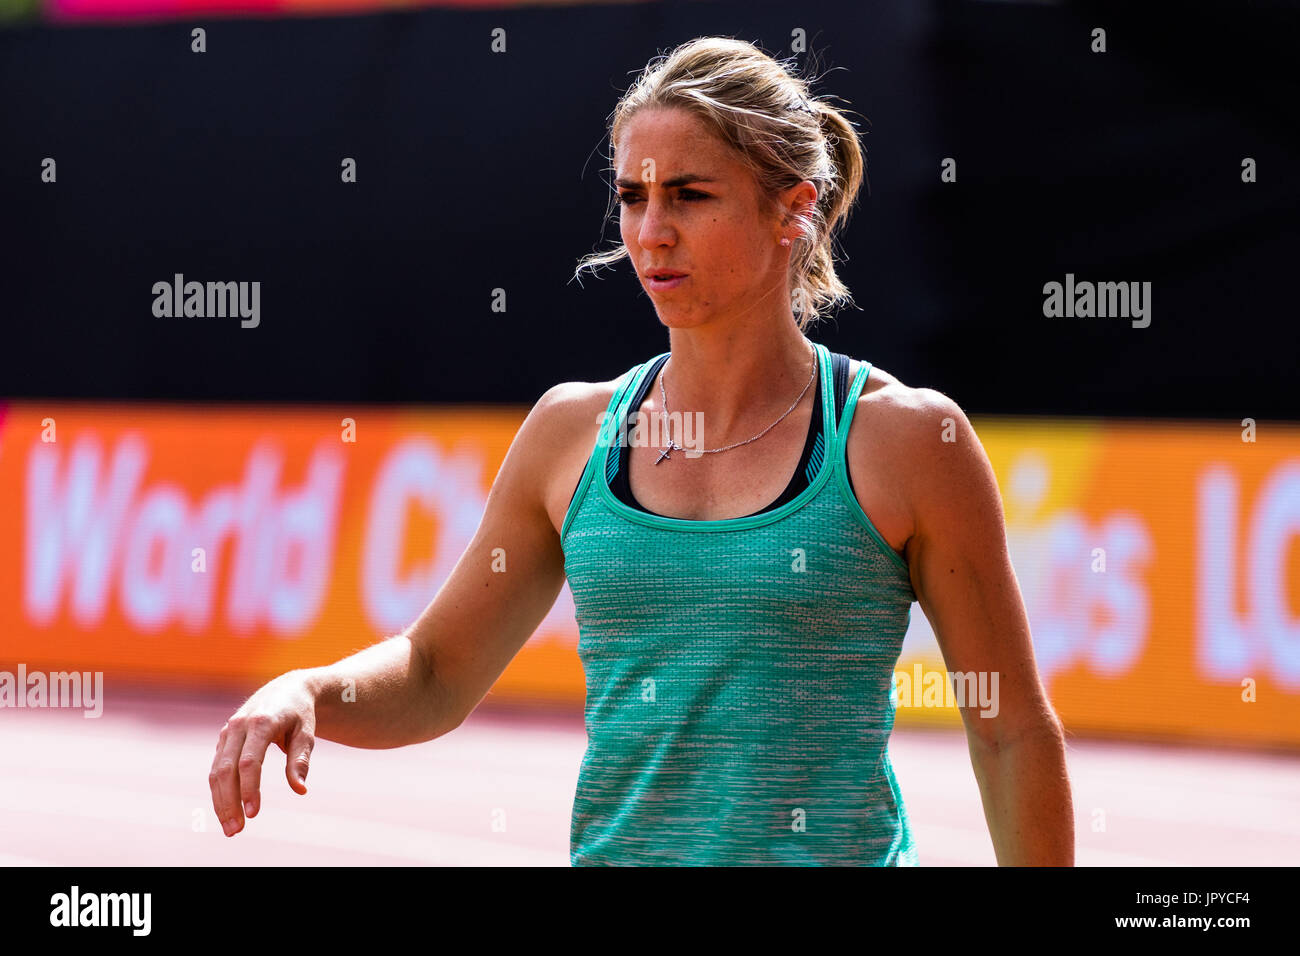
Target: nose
656 227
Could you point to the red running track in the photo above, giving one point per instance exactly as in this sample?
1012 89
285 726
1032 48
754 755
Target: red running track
130 789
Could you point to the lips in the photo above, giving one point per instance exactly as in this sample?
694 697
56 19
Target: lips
663 273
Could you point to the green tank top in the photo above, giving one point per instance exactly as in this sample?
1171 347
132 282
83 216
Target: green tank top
739 673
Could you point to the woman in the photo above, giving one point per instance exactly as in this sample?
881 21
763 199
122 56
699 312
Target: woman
742 590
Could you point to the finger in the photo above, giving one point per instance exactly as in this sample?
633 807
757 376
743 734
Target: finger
224 781
260 730
299 759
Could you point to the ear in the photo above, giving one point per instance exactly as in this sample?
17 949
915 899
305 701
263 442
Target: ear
796 202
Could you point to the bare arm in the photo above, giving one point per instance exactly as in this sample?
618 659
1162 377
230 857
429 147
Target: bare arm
423 682
962 574
512 571
380 697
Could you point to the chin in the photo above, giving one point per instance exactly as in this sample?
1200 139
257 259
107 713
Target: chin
675 319
680 317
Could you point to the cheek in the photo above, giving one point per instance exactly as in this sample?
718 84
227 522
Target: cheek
733 253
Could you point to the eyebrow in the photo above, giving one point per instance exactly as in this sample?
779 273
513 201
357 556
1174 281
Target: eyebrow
681 180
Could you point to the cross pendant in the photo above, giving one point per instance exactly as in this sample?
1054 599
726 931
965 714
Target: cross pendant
664 454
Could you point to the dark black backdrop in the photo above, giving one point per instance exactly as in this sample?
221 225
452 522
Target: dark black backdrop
479 170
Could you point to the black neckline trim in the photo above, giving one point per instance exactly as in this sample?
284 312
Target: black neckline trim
621 487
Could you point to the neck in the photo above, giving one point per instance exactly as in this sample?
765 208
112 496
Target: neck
740 379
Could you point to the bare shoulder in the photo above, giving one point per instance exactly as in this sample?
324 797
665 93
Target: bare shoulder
906 447
900 412
569 409
559 435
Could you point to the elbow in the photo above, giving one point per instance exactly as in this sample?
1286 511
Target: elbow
443 713
1046 730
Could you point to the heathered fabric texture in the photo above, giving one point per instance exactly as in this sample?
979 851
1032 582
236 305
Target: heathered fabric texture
739 673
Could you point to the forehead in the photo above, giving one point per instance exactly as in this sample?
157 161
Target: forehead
675 139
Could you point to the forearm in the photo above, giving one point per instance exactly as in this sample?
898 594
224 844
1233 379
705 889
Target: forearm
1025 789
382 697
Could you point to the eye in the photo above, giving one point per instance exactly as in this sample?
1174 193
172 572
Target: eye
689 195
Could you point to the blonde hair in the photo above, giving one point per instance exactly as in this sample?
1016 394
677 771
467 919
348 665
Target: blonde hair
763 110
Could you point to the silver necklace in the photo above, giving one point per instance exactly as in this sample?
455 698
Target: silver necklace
672 445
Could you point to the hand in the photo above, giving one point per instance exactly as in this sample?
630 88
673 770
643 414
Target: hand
282 712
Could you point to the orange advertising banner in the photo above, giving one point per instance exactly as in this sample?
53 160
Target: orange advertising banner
1160 563
228 545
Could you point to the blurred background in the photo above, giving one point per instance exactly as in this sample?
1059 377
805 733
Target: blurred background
192 505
